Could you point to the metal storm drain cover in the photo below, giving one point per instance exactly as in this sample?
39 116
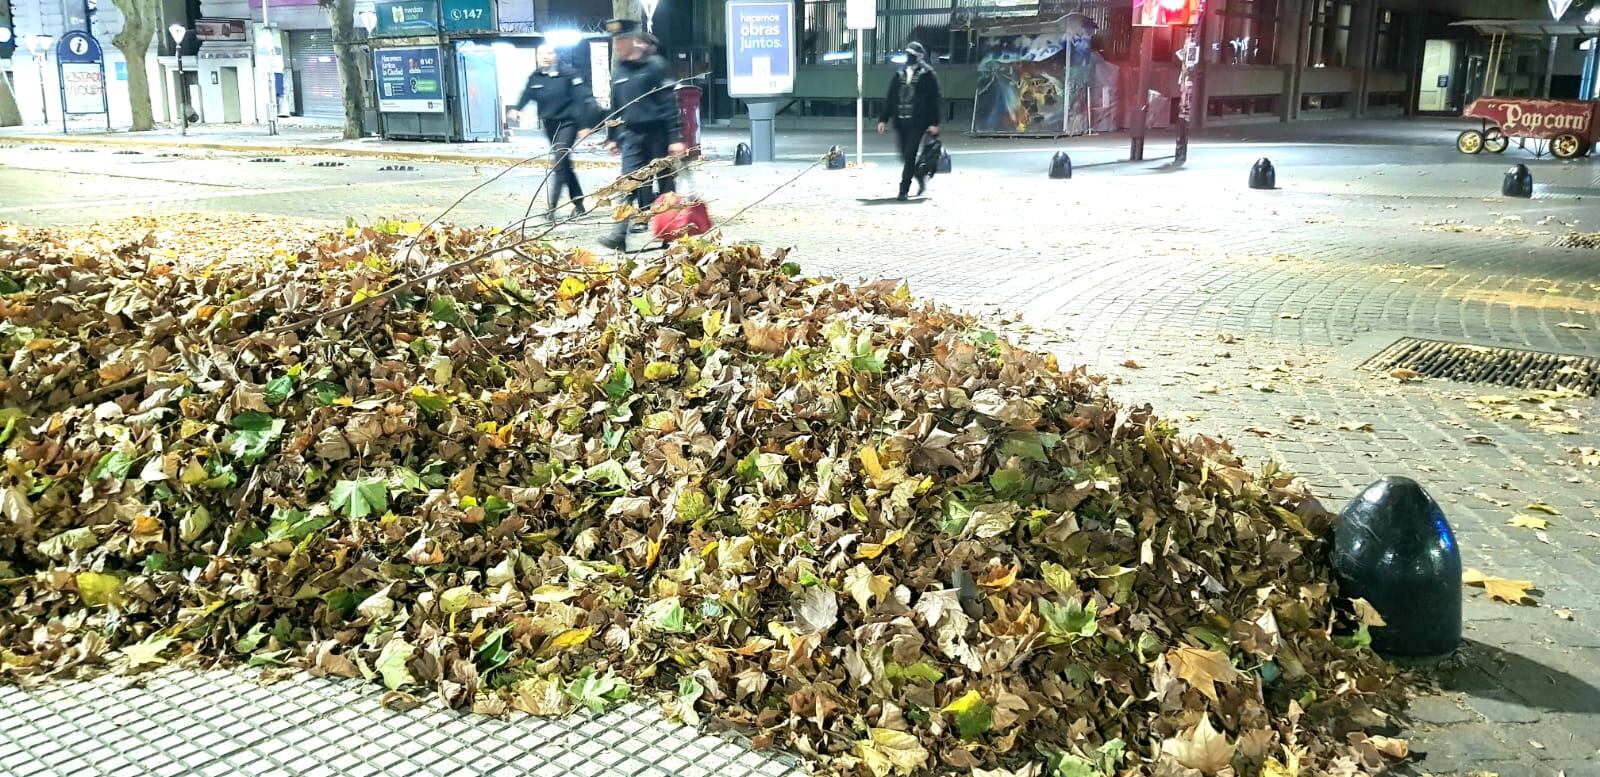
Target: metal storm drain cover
266 159
396 169
328 164
1578 240
1498 366
128 152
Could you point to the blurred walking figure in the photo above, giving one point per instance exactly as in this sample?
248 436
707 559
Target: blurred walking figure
913 106
566 110
641 88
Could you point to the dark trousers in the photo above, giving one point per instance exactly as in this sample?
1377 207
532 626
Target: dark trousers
562 136
640 147
910 137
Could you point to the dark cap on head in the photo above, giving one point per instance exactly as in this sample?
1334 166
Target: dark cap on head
917 50
624 28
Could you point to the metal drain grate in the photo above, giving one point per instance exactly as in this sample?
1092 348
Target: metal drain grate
1498 366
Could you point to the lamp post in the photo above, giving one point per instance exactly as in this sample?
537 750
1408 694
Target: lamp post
179 32
39 44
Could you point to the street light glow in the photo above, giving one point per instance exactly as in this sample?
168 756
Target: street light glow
563 39
178 32
5 34
39 44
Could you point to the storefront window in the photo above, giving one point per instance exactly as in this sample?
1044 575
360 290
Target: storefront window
1329 33
1388 50
1249 33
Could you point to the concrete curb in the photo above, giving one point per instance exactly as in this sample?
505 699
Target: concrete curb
284 150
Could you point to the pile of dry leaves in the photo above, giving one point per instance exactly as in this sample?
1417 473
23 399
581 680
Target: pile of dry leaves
853 524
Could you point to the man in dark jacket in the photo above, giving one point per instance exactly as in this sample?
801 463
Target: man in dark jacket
641 88
566 109
913 106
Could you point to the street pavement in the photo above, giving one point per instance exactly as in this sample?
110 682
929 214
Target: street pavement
1242 313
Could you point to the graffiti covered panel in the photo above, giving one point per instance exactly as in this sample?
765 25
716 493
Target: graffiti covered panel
1035 82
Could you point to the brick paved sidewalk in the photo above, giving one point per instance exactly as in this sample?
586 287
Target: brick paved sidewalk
1240 313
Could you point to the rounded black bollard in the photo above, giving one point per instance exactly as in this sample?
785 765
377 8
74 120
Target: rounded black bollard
1393 547
1517 183
944 162
741 155
835 158
1061 165
1262 175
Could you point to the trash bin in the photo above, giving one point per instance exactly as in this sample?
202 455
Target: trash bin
689 117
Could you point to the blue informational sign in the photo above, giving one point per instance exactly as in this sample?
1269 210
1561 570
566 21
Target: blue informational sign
409 80
122 71
78 46
761 50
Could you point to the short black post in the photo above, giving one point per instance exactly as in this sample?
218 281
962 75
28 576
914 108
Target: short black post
1262 175
835 158
1393 547
741 155
1518 182
1061 165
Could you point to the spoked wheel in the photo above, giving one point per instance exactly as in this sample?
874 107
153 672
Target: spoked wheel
1469 142
1495 141
1566 146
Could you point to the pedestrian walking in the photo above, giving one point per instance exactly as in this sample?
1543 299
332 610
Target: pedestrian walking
912 105
566 111
641 88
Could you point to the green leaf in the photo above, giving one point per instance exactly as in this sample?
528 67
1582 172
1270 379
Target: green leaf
1059 578
693 506
609 471
668 615
953 521
597 692
392 663
114 465
789 268
430 401
973 715
360 498
253 433
1069 622
327 391
921 671
619 384
444 309
493 654
251 639
279 389
454 600
1009 481
1030 445
644 306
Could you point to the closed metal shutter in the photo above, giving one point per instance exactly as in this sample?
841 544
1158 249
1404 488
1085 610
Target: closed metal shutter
316 74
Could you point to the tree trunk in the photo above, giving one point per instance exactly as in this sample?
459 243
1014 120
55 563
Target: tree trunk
627 9
10 115
139 21
344 49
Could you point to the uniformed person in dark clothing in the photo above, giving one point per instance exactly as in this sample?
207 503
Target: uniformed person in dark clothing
913 107
566 110
641 88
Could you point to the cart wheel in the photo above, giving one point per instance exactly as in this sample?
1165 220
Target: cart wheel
1495 141
1566 146
1469 142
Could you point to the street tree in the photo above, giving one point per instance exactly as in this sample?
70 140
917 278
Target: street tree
140 20
10 116
343 14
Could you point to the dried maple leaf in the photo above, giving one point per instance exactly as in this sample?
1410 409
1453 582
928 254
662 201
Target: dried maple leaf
1201 669
1499 588
1200 747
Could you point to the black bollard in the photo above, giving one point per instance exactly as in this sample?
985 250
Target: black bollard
1061 165
1517 183
1262 175
835 158
944 162
1393 547
741 155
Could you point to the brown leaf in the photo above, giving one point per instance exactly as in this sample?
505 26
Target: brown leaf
1499 588
1200 747
1201 669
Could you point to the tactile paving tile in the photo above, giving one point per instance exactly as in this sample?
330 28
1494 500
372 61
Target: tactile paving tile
220 723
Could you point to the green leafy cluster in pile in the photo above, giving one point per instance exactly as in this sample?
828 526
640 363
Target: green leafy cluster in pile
854 525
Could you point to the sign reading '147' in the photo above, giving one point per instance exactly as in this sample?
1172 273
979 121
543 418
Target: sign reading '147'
761 55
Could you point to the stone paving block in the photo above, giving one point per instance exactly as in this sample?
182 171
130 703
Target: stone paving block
1440 710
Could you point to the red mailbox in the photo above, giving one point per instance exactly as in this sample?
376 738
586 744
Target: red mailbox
689 116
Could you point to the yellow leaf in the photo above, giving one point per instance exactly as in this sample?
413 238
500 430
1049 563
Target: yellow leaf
1528 522
660 371
566 640
862 586
97 589
999 577
552 593
455 600
1508 591
190 428
876 549
193 473
869 462
1367 613
1201 669
147 653
571 287
886 750
1541 507
1201 747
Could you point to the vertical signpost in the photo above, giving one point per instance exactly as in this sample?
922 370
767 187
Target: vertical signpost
81 72
1168 13
861 16
761 65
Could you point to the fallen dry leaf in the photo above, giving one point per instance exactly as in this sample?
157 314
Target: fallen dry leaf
1201 669
1528 522
1404 375
1478 439
1354 426
1202 748
1499 588
1571 325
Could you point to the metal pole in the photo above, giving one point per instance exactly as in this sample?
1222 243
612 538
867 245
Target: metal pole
61 84
44 102
1142 98
1180 153
183 92
272 90
860 94
1550 66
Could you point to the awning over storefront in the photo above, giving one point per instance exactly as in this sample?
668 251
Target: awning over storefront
1531 28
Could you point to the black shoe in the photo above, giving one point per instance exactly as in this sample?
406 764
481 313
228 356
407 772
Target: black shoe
901 196
639 228
578 209
614 243
922 186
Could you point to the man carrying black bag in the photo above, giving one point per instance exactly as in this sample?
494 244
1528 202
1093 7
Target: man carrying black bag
913 105
567 110
641 88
